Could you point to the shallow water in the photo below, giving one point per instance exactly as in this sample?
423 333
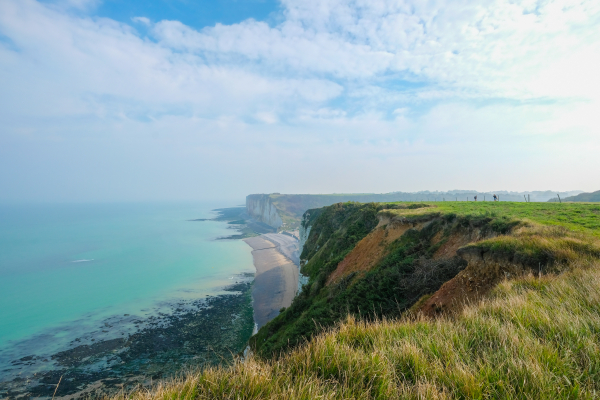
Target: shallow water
66 268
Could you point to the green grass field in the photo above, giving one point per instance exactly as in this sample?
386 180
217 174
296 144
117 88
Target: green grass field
575 216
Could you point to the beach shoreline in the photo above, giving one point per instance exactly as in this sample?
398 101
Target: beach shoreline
203 322
212 328
277 274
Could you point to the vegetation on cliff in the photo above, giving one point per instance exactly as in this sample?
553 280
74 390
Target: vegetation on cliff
405 269
431 300
335 232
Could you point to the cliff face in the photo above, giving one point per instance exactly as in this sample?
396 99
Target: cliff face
380 260
306 224
305 228
261 208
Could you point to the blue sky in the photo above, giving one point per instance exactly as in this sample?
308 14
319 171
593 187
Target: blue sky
105 100
194 13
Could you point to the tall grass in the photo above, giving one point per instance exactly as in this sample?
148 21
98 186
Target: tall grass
534 244
533 338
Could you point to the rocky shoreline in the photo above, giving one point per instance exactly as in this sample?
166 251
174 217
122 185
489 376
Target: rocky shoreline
238 220
185 335
195 334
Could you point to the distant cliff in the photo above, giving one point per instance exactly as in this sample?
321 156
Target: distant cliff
261 208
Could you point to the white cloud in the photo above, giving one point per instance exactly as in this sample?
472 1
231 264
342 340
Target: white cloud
105 67
322 50
494 48
430 89
141 20
266 117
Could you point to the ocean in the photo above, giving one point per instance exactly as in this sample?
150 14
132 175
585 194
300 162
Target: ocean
65 270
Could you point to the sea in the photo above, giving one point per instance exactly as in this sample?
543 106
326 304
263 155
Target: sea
66 269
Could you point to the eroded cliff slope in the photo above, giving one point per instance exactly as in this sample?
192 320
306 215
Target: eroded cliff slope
380 260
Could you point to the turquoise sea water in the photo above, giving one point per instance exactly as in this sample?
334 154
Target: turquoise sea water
64 268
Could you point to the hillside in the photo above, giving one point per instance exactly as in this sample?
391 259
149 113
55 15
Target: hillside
380 259
593 197
431 300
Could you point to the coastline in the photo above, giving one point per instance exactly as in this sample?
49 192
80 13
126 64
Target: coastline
126 350
211 329
277 275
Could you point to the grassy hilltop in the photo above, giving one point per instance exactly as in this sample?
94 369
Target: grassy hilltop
535 338
431 300
577 217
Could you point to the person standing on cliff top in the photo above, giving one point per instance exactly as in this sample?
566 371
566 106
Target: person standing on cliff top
475 198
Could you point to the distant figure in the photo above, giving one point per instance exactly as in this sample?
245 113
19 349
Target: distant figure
495 198
475 198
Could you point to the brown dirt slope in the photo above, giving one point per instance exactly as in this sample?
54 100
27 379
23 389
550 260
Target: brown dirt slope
467 286
484 271
370 250
490 257
455 241
529 249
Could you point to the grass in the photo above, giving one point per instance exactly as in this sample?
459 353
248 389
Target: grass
534 338
574 216
530 233
536 244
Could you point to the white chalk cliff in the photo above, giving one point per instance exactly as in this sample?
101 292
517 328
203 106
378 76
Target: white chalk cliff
261 208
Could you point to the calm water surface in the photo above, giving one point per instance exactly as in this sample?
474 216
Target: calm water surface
65 268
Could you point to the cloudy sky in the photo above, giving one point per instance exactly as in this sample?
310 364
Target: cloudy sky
109 100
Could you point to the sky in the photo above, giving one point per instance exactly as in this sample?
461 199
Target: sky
160 100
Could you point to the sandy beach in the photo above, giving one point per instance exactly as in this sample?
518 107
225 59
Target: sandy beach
287 245
276 280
